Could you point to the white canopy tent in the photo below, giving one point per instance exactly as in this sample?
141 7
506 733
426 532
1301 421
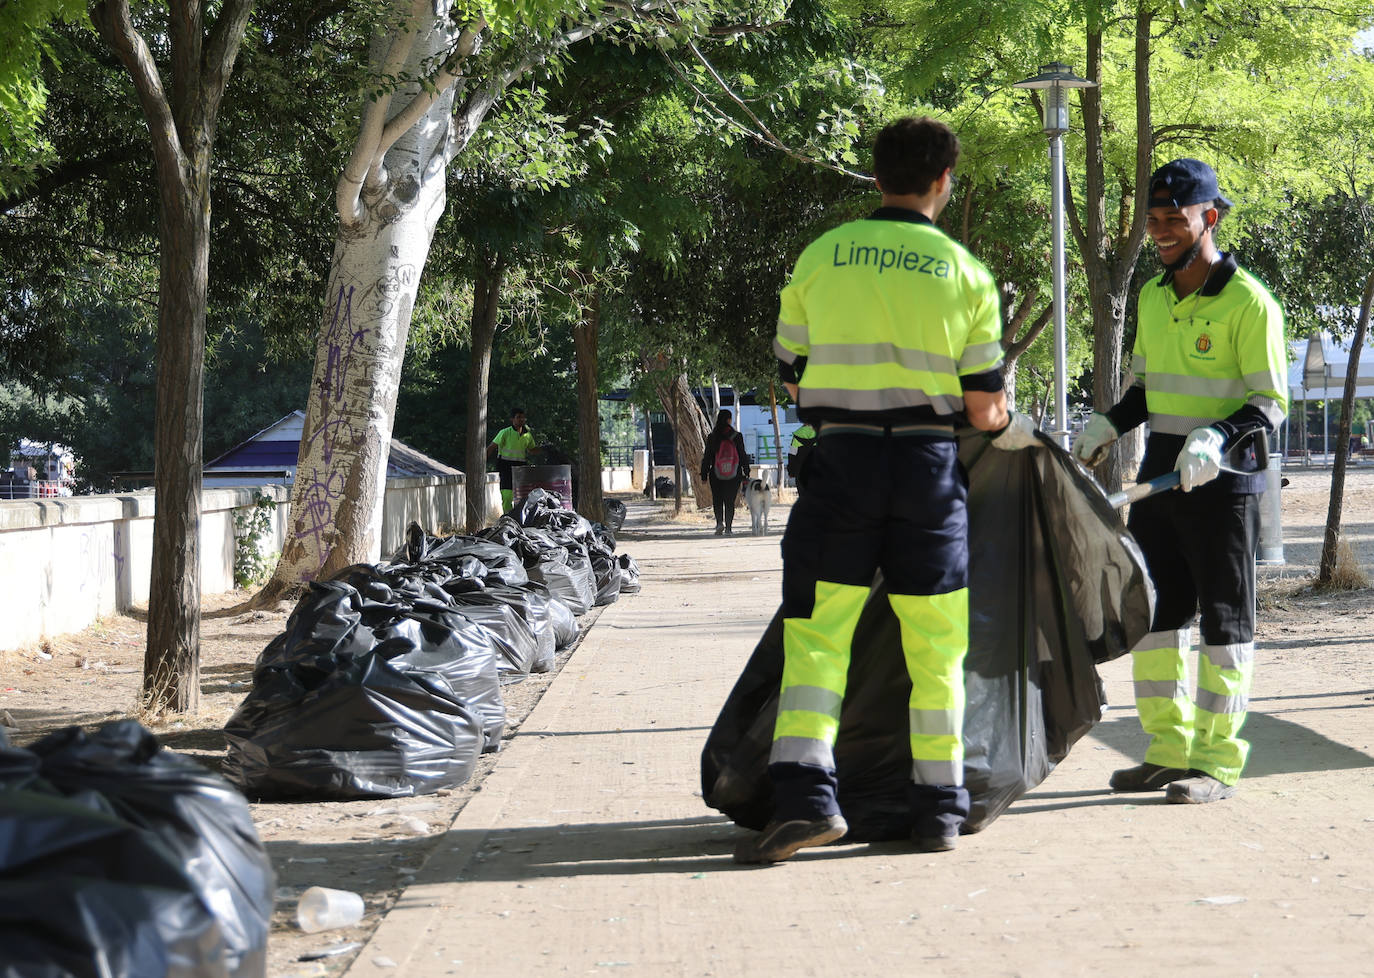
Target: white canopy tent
1317 373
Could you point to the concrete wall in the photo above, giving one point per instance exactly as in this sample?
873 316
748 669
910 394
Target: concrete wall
66 562
618 479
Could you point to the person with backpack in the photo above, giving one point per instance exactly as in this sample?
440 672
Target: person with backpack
726 465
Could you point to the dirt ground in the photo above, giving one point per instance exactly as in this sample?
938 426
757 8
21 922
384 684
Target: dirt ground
94 676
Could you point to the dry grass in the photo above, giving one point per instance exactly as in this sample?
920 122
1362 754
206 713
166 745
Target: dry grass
1348 575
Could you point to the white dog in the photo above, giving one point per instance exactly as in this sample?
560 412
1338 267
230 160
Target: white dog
758 496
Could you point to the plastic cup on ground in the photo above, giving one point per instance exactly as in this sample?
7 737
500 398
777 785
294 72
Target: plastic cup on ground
321 908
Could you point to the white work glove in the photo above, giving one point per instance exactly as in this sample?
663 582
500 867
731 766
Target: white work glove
1200 460
1095 440
1018 433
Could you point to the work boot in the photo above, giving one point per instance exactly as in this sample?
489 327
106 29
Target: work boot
720 528
729 531
935 843
1146 777
780 840
1198 789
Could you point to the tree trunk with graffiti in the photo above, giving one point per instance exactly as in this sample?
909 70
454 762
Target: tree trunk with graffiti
390 197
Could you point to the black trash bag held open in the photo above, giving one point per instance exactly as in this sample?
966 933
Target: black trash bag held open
1056 586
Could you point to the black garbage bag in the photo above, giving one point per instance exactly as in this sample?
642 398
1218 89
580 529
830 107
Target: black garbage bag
85 894
664 487
615 515
494 554
336 714
534 613
567 573
561 617
629 574
606 570
601 538
433 637
511 635
1056 586
121 858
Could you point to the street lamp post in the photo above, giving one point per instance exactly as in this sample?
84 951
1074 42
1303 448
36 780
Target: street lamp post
1057 79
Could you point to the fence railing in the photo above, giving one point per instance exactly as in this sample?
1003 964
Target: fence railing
32 489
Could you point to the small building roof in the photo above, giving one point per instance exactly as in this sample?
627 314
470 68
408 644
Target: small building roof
276 448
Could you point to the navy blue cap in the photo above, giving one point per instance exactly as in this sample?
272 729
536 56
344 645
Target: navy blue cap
1183 182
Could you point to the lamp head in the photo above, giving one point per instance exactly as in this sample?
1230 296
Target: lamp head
1057 79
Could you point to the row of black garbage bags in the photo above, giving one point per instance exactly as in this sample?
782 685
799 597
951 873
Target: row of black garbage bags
387 680
119 859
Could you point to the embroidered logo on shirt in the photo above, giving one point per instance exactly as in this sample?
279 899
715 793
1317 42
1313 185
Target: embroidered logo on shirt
1203 343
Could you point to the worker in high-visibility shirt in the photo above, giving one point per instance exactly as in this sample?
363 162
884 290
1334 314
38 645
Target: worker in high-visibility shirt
887 329
803 440
1210 376
512 447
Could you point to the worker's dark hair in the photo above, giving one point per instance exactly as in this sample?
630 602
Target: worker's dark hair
910 154
516 410
722 420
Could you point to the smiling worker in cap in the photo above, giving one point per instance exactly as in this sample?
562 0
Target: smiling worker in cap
1209 369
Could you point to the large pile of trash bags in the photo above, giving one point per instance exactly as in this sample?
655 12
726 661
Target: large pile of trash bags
120 858
387 680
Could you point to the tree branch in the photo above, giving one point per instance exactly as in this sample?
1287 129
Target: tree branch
220 53
364 163
112 20
469 42
69 172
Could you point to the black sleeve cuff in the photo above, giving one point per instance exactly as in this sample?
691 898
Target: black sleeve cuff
1129 411
1240 423
988 382
791 372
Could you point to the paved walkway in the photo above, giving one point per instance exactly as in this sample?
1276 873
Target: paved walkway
589 851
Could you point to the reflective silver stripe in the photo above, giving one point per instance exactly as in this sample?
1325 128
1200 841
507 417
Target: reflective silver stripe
981 356
802 750
1263 380
1173 638
1273 411
1221 703
813 699
876 354
793 333
1177 424
1221 388
1167 689
937 772
887 399
934 723
1237 655
783 353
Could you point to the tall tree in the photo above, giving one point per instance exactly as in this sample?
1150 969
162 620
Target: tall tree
182 115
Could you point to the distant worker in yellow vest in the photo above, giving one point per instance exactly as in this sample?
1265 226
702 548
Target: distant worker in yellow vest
512 446
1210 376
887 330
803 440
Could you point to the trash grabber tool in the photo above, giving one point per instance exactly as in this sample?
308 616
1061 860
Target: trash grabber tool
1171 480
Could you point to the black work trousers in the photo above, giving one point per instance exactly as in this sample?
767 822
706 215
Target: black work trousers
1199 548
724 495
896 503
